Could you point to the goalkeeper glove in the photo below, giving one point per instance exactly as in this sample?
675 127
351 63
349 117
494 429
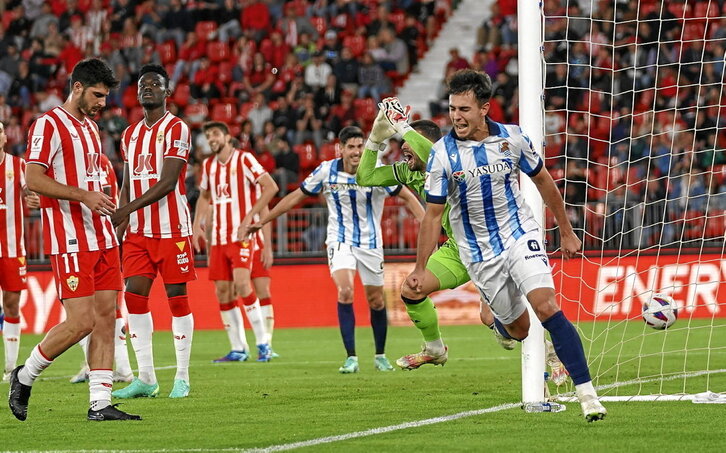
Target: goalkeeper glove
381 131
397 115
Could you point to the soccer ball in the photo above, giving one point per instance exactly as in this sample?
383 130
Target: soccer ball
660 312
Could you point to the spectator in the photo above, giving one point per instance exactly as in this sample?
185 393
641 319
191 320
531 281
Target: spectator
396 56
309 124
23 87
294 26
255 19
284 116
16 136
259 79
204 86
328 96
278 50
331 47
96 16
11 61
410 35
122 9
64 21
242 53
53 41
228 19
373 82
188 62
285 75
176 23
78 33
382 21
304 49
346 70
288 166
343 114
5 111
47 100
259 114
316 73
42 23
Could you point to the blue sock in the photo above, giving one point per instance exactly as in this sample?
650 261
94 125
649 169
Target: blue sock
500 327
568 347
346 320
379 323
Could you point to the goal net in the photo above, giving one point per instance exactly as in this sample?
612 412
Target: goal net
633 131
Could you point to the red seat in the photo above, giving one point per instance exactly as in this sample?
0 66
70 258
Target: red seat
129 97
196 114
225 72
205 28
244 109
356 44
225 113
167 52
328 151
217 51
308 156
366 108
181 95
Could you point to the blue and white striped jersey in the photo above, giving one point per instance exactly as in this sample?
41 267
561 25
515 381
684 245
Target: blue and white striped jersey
480 180
354 212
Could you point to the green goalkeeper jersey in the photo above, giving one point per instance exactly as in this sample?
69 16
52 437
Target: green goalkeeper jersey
399 173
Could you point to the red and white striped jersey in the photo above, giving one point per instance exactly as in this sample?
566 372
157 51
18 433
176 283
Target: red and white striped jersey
109 178
144 149
12 184
234 190
70 150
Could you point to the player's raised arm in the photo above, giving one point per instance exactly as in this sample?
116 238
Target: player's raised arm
397 117
368 174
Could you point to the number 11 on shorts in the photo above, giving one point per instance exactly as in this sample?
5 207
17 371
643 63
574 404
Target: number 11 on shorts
70 259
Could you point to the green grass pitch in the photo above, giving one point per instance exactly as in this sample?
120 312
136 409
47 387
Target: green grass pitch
301 397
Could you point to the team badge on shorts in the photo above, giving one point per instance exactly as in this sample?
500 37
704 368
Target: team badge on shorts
72 282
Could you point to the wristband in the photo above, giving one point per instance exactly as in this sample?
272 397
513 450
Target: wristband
373 146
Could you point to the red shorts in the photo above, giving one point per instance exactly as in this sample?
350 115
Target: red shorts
172 258
13 274
81 274
258 270
224 258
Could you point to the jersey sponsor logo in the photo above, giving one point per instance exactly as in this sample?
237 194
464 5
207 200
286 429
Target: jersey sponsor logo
459 175
504 166
342 187
72 282
21 260
143 168
93 169
222 195
533 245
180 245
183 147
182 258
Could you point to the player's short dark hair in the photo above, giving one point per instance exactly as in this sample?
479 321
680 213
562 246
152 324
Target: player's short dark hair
477 82
93 71
428 129
215 125
349 132
155 68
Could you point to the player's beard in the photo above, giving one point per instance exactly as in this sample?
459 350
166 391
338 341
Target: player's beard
84 107
151 104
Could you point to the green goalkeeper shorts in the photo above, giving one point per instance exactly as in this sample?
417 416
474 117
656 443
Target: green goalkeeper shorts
446 265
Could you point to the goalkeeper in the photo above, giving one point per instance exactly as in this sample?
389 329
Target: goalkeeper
444 269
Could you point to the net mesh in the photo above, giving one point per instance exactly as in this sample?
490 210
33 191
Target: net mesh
634 117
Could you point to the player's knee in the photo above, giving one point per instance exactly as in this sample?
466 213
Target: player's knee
242 289
223 294
345 294
545 309
11 303
176 290
376 303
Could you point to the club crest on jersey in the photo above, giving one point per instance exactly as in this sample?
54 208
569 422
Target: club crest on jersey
160 137
504 149
72 282
10 175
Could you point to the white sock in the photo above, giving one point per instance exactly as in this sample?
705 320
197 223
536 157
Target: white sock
84 346
436 346
182 328
268 314
141 330
99 385
120 351
35 365
254 316
585 390
11 341
234 325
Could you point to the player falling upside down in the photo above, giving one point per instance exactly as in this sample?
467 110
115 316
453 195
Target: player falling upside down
353 240
122 368
13 270
155 216
475 168
64 147
444 269
230 180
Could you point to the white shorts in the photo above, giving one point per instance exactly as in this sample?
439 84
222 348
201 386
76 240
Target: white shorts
505 279
368 262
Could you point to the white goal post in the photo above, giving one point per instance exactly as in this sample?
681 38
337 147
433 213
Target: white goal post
634 138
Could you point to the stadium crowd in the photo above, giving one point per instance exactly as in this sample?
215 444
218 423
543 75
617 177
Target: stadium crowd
288 75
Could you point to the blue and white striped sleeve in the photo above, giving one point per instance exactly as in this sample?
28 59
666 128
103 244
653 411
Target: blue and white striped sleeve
436 186
313 184
529 161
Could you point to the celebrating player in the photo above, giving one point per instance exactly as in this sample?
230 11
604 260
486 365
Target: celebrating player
230 180
63 166
122 368
12 247
155 152
354 238
444 269
475 168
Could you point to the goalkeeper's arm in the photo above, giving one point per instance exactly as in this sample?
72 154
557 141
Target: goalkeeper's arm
370 175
